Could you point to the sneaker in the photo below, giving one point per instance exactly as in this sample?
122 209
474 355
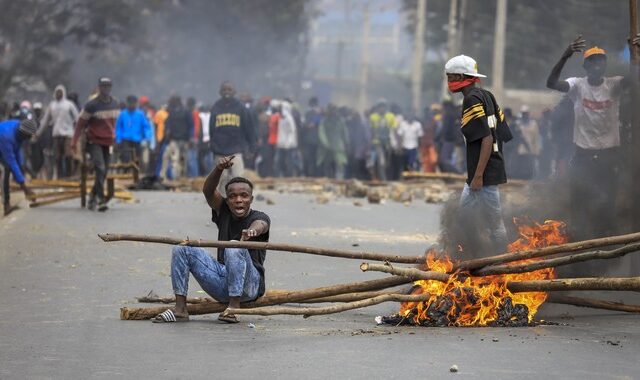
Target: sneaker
91 205
102 206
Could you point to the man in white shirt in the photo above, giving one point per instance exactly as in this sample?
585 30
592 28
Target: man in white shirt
596 136
410 130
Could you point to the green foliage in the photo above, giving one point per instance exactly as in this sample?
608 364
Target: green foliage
32 33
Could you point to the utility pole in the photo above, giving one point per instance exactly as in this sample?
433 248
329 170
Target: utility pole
635 114
452 39
364 71
497 75
418 56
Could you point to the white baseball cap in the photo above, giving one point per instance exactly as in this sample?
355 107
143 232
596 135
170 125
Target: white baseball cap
463 65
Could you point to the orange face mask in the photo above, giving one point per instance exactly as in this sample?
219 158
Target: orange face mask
456 86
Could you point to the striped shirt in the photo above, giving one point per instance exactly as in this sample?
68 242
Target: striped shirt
101 120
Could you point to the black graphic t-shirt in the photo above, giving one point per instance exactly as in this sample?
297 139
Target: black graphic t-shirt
230 228
478 106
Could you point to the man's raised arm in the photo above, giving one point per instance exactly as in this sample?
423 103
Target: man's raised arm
554 82
209 189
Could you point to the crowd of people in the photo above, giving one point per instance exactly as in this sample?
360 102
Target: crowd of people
274 137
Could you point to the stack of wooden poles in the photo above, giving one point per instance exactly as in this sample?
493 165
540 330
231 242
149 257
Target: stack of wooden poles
360 294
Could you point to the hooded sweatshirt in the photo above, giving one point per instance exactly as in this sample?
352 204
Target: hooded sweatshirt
287 131
62 114
231 127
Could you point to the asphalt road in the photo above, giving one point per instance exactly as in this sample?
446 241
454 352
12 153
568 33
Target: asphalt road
61 289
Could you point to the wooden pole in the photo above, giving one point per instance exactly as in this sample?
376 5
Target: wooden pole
560 284
53 200
558 261
127 313
410 273
337 308
470 265
596 283
50 194
635 112
418 56
592 303
268 246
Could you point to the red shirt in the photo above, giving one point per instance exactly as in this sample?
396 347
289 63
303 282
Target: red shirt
273 129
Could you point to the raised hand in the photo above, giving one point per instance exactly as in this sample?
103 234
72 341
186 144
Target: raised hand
578 45
225 162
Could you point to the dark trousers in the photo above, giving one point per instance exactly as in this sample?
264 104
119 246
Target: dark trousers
594 175
130 151
62 156
100 157
285 162
6 175
445 158
309 158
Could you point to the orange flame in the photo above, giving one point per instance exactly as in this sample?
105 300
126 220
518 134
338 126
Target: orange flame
476 300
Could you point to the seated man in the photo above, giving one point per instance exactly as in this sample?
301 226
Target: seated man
238 274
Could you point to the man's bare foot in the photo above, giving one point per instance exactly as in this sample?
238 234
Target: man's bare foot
227 317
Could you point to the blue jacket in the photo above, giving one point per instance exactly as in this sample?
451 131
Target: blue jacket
10 154
133 126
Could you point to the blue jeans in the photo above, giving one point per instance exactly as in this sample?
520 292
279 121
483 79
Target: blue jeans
236 278
486 203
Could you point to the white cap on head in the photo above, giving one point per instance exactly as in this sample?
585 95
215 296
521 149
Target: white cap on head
463 65
524 108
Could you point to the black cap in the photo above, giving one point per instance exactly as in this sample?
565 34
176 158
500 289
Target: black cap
104 81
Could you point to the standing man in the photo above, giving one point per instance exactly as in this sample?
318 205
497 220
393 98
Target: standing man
238 273
132 128
98 120
178 132
485 130
309 137
596 136
231 130
12 134
62 115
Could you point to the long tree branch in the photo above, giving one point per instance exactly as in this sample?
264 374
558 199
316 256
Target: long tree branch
470 265
268 246
558 261
337 308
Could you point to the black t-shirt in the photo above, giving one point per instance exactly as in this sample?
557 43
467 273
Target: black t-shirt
230 228
478 105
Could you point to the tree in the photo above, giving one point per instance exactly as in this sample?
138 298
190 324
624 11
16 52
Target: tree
34 32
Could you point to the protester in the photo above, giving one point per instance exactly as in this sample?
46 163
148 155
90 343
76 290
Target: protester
232 132
484 130
309 137
381 122
410 131
192 153
132 128
238 274
97 120
333 141
205 156
178 130
12 134
162 167
287 142
61 115
449 137
596 137
528 147
359 143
